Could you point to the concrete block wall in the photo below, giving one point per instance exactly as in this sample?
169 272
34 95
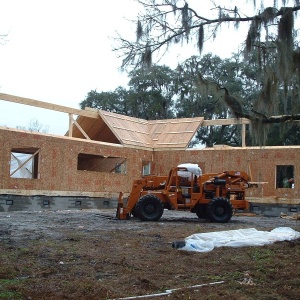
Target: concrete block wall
40 203
274 209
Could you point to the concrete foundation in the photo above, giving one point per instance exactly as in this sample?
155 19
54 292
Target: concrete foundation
273 210
38 203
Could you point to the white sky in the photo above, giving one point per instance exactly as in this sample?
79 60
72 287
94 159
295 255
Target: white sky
59 50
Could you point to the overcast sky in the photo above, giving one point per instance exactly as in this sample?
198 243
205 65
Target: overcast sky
58 50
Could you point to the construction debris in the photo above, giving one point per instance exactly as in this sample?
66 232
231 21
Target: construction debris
295 216
247 280
168 292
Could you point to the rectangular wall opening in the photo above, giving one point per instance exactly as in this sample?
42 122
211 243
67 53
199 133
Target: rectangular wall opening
100 163
24 163
284 176
146 168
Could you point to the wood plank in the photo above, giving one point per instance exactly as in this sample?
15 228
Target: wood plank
136 141
178 132
58 193
220 122
122 117
133 130
81 130
70 125
273 200
243 135
50 106
179 121
175 143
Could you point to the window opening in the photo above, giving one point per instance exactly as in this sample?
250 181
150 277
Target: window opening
118 168
146 168
100 163
285 176
24 163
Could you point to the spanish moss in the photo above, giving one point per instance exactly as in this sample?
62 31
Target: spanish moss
139 30
200 38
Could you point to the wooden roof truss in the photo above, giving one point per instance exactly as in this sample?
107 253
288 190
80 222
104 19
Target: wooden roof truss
114 128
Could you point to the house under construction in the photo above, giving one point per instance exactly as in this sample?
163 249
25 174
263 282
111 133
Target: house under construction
102 152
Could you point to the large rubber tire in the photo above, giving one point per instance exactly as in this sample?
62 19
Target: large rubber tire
134 213
201 211
219 210
149 208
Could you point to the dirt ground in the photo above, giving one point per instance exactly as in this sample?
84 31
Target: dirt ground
89 254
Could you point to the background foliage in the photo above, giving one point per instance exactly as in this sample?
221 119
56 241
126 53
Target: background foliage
158 92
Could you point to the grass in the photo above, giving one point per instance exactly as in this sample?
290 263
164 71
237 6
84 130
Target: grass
7 289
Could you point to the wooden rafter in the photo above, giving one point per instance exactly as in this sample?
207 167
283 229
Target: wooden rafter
80 129
51 106
219 122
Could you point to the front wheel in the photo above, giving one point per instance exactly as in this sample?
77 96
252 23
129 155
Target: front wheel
134 213
201 211
149 208
219 210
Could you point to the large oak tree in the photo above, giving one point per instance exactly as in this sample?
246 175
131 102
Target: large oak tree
271 45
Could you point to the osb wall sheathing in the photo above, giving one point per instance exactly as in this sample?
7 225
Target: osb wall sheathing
58 165
258 162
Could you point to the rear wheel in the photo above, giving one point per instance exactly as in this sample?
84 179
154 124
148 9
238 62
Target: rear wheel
149 208
219 210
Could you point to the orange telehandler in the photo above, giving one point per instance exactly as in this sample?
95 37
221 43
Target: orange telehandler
212 196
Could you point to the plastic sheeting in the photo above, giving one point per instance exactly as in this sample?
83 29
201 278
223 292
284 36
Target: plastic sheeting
193 168
17 162
205 242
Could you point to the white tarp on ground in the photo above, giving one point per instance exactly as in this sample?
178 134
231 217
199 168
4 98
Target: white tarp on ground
205 242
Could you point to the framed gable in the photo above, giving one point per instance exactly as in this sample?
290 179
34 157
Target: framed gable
130 131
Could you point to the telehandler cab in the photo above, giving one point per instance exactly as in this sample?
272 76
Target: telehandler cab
212 196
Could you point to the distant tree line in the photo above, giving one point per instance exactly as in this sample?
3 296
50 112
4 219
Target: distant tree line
35 126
